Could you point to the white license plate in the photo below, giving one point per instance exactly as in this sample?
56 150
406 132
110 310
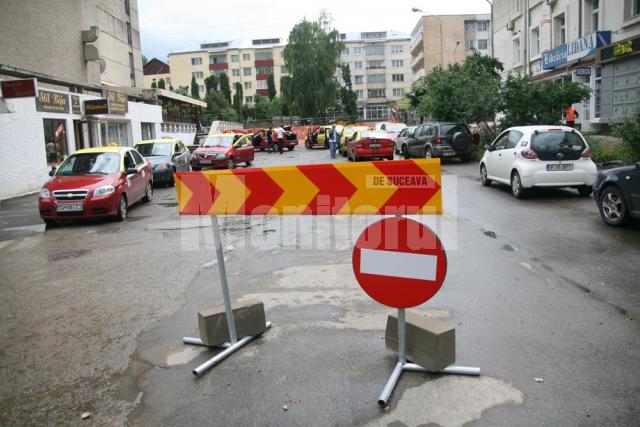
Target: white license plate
560 167
205 162
69 207
374 145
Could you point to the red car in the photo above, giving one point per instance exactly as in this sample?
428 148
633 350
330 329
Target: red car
260 142
370 144
224 150
96 182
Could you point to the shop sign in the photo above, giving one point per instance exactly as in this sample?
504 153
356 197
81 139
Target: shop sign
18 88
52 102
96 106
75 104
583 71
575 50
620 49
117 102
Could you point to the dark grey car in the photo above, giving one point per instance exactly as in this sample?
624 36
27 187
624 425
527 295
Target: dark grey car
439 139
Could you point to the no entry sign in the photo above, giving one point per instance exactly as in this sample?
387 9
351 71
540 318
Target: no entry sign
399 262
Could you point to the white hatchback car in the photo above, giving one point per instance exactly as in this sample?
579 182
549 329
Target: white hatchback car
539 156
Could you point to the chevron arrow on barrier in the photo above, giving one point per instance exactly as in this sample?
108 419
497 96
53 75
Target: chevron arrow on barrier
366 188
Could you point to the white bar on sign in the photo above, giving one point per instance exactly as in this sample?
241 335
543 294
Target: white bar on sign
398 264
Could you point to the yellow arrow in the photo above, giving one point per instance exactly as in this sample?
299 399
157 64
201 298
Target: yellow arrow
372 192
184 194
432 167
233 192
298 190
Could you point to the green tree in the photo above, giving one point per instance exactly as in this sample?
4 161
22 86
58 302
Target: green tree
195 93
629 131
348 97
144 60
161 84
153 85
311 57
531 103
286 99
237 98
224 87
261 107
182 90
211 84
271 87
219 109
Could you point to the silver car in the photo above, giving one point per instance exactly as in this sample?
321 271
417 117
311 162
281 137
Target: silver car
402 137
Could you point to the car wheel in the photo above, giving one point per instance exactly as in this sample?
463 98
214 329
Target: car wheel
428 154
231 163
50 223
122 208
349 156
405 152
483 176
585 190
248 163
171 182
516 185
290 148
613 208
148 195
389 157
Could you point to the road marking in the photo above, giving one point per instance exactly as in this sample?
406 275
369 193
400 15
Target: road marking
398 264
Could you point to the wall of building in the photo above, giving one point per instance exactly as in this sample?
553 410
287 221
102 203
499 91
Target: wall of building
150 78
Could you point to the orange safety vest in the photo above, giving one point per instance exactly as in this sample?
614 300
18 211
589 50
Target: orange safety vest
570 114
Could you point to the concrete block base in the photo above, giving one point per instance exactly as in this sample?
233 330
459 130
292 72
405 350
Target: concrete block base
430 344
248 316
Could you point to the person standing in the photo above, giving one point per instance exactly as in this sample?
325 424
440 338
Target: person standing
333 141
270 140
570 115
280 134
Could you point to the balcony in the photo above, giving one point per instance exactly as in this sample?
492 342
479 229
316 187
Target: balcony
262 92
262 76
222 66
264 63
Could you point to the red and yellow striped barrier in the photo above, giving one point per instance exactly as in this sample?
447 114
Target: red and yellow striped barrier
367 188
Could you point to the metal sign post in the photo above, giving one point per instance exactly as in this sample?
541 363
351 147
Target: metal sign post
233 345
402 364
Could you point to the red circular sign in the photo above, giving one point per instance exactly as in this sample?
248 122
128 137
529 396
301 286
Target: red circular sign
399 262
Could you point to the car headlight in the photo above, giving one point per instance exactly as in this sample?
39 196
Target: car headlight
44 193
104 190
162 166
221 156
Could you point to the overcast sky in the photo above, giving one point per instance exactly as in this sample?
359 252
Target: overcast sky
177 25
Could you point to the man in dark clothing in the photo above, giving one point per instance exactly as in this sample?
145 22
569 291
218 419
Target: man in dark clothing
270 140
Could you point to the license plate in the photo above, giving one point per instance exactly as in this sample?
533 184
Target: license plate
560 167
69 207
374 145
205 162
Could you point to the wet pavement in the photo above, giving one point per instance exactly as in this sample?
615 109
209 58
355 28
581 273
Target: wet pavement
543 296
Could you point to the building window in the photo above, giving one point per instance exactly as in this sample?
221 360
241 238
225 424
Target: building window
535 41
376 78
397 77
515 8
218 59
377 112
264 56
359 93
147 131
261 84
235 58
357 51
469 26
483 44
357 65
196 61
201 88
129 35
397 48
132 70
560 35
284 69
597 92
397 63
397 92
246 57
247 85
248 99
127 7
197 74
594 5
358 79
235 72
516 51
375 93
374 50
375 64
246 71
482 26
469 44
264 70
217 73
55 140
345 51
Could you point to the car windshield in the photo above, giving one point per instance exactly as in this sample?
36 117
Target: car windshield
395 127
451 129
377 134
557 145
350 131
155 149
219 141
90 163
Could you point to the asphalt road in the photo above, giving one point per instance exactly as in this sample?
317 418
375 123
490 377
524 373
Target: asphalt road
543 295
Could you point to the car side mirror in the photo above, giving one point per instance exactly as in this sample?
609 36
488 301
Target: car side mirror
487 147
52 171
132 171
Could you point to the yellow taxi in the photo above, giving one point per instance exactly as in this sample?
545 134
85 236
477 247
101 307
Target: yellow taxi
346 135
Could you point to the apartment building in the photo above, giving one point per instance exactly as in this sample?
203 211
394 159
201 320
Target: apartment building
380 70
440 40
248 62
588 41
